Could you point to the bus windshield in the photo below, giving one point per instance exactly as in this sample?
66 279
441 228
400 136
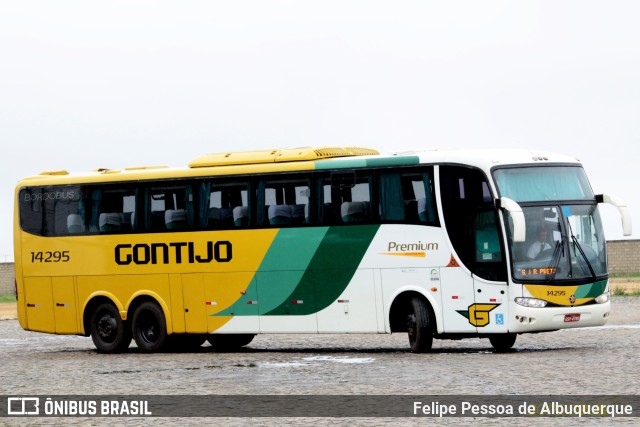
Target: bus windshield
563 243
529 184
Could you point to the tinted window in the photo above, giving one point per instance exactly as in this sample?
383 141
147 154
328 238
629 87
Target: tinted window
49 211
345 197
471 221
284 200
224 203
407 196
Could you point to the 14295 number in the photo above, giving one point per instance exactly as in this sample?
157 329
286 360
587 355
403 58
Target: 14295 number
55 256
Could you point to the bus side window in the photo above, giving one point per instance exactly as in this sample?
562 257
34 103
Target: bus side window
44 215
224 204
170 208
284 201
112 209
426 201
408 196
346 198
487 237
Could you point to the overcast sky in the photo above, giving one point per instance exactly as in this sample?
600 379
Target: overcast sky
130 83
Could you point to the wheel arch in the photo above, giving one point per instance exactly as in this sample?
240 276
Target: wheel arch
400 307
92 303
126 311
141 297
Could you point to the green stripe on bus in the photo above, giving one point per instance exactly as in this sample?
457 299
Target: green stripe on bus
330 270
592 290
350 163
393 161
281 269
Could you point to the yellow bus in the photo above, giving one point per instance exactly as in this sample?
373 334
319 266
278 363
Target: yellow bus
436 244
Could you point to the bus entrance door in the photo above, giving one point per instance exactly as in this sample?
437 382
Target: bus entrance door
457 300
489 312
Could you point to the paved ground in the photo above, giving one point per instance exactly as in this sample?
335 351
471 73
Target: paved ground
583 361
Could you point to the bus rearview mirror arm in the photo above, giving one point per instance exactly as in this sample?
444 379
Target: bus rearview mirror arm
517 216
625 214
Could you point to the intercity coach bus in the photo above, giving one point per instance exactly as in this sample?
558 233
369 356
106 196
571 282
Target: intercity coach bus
436 244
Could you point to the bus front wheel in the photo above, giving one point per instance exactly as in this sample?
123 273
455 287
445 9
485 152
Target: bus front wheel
110 334
418 328
149 327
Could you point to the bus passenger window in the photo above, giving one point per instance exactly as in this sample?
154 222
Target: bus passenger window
224 204
407 196
284 201
112 209
46 215
170 208
346 199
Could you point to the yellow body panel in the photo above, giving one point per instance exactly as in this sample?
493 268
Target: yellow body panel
51 304
38 298
177 303
65 305
57 293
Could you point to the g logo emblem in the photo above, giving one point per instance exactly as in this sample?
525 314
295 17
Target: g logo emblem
478 314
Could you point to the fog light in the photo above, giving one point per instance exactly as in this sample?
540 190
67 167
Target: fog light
601 299
530 302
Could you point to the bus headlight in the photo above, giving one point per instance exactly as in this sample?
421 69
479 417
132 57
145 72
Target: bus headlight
601 299
531 302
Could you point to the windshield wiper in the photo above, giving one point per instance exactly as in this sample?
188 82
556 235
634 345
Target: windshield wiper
558 252
577 245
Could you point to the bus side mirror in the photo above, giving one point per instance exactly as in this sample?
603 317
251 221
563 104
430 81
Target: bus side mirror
625 214
517 216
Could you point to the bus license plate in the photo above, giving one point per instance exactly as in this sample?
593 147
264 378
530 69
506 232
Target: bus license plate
572 317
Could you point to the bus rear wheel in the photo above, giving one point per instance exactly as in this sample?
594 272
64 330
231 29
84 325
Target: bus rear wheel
149 327
502 342
110 334
418 327
229 342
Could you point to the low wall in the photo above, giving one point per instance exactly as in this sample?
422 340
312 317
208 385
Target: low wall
624 258
7 279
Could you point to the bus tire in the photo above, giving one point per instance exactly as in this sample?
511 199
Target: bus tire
110 334
229 342
149 327
502 342
418 327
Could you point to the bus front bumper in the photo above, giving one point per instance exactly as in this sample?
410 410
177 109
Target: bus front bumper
530 319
